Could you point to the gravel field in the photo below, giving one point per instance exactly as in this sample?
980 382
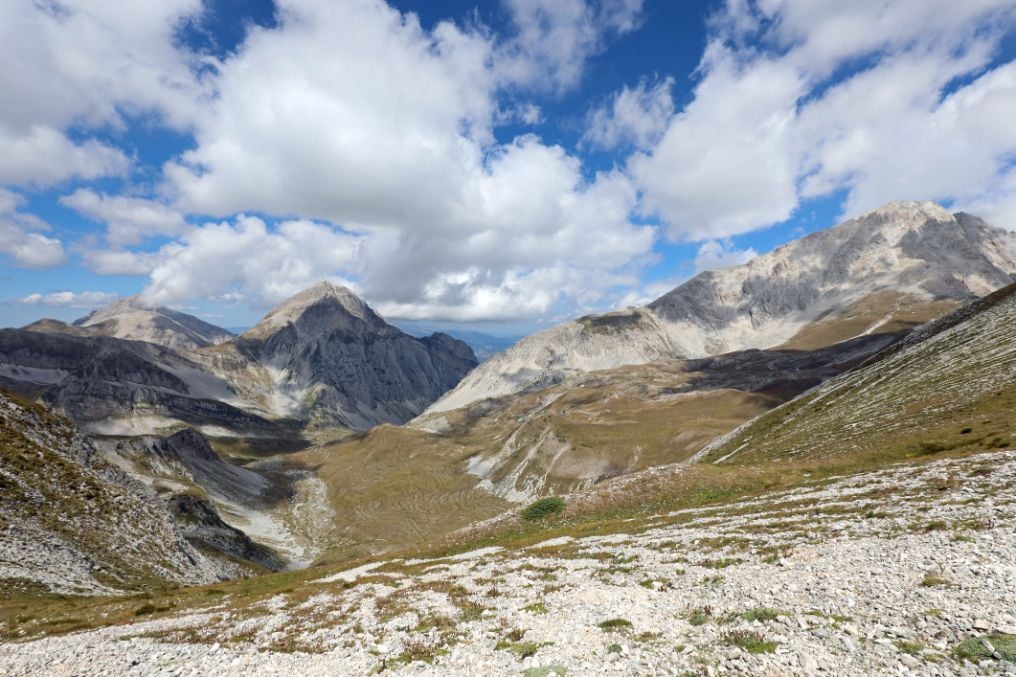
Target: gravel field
909 570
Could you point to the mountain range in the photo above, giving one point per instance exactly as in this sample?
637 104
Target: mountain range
321 358
324 433
893 267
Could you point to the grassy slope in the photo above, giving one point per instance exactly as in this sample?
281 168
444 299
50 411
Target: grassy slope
954 390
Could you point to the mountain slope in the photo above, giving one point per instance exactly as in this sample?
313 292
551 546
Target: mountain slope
907 258
114 386
70 522
951 385
326 357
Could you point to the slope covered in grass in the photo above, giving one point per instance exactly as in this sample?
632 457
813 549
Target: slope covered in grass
949 386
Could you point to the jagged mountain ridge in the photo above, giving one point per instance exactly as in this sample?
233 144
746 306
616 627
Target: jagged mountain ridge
917 252
329 358
114 386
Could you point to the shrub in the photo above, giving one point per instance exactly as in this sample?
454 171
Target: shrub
543 508
615 624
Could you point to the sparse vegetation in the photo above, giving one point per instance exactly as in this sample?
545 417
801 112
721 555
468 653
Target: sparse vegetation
974 648
932 580
752 642
614 624
543 508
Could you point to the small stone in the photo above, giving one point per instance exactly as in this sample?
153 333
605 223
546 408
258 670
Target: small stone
982 625
988 646
808 664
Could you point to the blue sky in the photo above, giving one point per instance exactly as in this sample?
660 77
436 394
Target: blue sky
498 165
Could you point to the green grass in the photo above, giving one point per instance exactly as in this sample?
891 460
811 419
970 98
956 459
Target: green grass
909 647
614 624
763 614
973 648
700 616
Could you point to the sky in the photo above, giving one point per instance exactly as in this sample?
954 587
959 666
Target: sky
498 165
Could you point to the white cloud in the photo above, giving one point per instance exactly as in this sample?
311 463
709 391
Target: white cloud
43 156
713 255
119 261
555 38
86 64
635 116
20 238
773 120
267 264
129 220
722 166
996 203
71 299
367 120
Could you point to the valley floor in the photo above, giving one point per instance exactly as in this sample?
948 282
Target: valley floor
909 570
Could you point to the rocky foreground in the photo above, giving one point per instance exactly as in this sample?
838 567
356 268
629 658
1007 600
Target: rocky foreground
910 570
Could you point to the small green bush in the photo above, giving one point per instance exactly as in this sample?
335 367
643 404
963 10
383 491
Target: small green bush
615 624
973 649
543 508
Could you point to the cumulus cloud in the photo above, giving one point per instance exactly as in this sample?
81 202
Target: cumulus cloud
635 115
20 236
773 120
43 156
268 264
129 220
87 64
367 120
71 299
555 38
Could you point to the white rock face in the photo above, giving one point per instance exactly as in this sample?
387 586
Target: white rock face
132 319
917 248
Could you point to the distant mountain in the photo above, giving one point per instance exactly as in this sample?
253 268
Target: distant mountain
118 387
131 318
483 345
321 358
330 359
900 265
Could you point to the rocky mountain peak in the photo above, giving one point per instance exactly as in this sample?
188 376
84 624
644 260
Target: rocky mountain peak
318 308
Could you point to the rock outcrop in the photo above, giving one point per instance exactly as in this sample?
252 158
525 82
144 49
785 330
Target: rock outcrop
331 359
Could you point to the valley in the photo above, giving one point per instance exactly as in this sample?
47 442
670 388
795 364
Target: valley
326 490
